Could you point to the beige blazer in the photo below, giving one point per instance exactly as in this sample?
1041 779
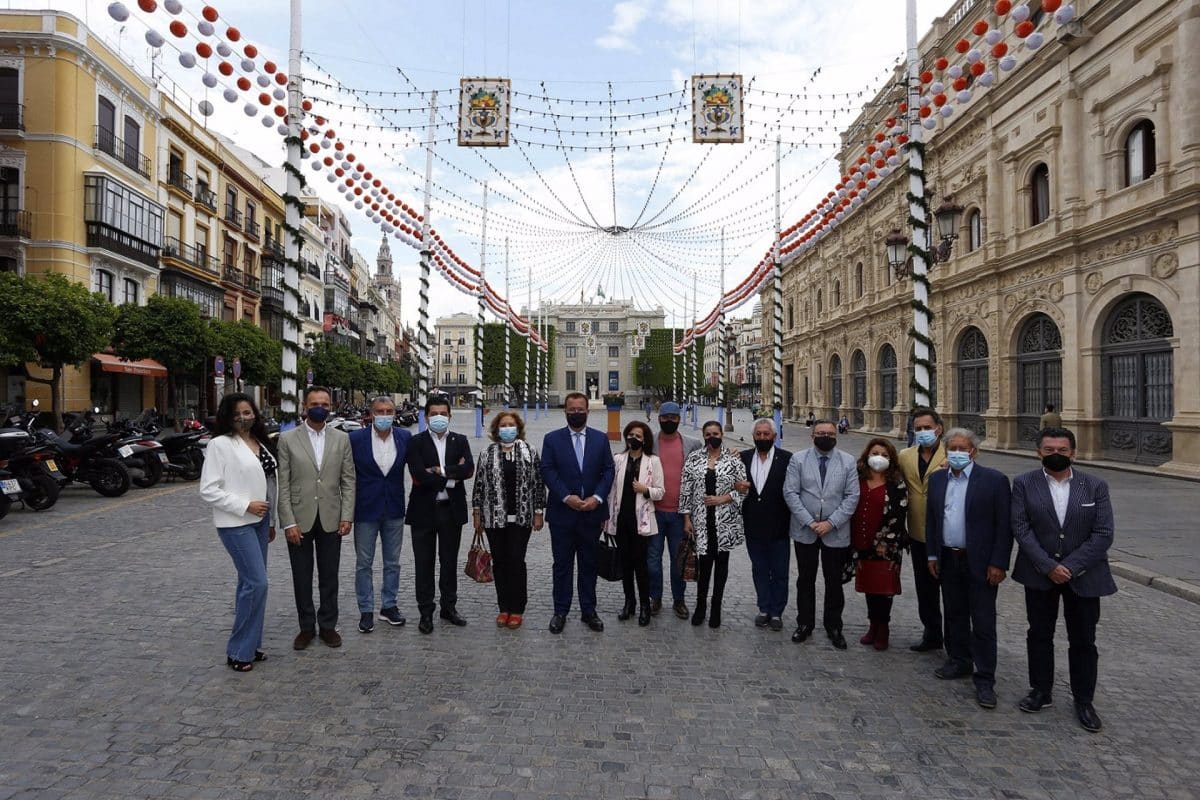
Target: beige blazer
918 488
650 474
303 491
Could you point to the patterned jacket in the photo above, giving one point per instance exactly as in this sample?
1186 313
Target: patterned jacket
730 469
488 494
892 534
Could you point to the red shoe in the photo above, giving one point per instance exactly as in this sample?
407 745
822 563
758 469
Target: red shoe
869 636
514 621
881 636
501 619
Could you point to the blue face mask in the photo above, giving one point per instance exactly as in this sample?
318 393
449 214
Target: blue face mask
958 459
926 438
508 433
317 414
439 423
383 422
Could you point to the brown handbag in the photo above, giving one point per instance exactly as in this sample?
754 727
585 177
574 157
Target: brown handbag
479 561
687 559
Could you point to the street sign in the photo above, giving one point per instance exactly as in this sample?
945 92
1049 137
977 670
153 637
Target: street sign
237 368
309 377
219 366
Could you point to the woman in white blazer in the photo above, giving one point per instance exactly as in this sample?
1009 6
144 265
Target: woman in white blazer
238 481
637 484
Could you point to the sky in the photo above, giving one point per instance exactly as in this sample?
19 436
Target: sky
551 206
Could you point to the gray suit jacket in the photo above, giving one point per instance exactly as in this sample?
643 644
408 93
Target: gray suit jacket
1080 544
811 501
306 493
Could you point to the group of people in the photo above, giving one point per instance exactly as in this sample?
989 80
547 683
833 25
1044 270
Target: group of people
853 518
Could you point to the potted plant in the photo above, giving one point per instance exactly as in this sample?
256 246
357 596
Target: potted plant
614 400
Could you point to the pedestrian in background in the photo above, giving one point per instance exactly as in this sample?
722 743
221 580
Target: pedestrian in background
637 483
879 536
1050 419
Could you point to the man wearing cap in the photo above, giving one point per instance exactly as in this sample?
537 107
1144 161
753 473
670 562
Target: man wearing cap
672 448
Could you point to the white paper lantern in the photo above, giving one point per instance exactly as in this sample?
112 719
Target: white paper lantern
205 27
893 160
955 71
1019 13
873 182
282 130
993 36
986 79
172 6
209 80
251 110
946 111
929 123
974 55
224 50
1008 63
267 122
331 177
247 65
1035 40
358 204
263 80
230 95
154 39
280 93
187 60
925 100
316 165
326 143
964 97
118 11
937 87
885 171
1064 14
206 108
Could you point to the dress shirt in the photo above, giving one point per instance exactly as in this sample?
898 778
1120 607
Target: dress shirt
317 439
384 450
760 468
954 518
1060 493
439 444
579 445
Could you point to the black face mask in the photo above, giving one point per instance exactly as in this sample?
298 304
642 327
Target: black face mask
713 442
764 445
1056 462
668 427
577 419
633 443
825 443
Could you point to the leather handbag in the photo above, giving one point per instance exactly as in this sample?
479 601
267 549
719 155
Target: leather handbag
479 561
877 576
608 559
687 559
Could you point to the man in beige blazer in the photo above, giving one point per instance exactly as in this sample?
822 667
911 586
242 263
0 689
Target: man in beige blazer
316 505
917 464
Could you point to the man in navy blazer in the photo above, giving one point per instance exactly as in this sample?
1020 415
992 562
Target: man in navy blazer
577 465
969 541
379 453
1063 523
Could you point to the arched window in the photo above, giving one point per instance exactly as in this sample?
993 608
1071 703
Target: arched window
820 304
858 368
106 126
974 230
887 385
837 293
835 382
858 280
1039 373
102 282
1139 153
972 380
1138 381
791 317
1039 194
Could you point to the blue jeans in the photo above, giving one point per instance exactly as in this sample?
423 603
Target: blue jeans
247 546
770 560
391 535
670 532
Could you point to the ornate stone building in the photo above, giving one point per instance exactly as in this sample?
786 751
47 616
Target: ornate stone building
1075 277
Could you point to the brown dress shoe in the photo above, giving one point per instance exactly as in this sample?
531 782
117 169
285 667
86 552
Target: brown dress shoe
303 639
331 637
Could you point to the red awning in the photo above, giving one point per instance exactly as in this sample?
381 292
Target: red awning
146 366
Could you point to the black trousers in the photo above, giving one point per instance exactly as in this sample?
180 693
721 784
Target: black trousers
715 568
879 608
833 561
325 550
436 541
508 546
632 548
1081 615
928 604
970 606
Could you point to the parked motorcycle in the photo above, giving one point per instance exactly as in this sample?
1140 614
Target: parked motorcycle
182 453
10 491
85 457
147 458
31 462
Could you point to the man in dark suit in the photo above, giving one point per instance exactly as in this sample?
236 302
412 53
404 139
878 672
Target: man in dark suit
577 465
969 539
439 461
1063 523
767 521
380 452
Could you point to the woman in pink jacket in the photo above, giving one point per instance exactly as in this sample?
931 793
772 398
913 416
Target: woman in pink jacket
637 483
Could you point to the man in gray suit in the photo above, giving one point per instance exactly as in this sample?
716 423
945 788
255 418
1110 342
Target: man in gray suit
1063 522
821 490
316 490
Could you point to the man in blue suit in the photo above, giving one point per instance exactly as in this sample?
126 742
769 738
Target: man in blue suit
577 465
379 457
969 541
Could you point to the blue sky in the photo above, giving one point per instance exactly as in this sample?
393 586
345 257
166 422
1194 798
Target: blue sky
643 47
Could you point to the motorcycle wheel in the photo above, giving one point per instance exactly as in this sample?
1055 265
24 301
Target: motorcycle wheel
44 493
193 463
110 478
152 471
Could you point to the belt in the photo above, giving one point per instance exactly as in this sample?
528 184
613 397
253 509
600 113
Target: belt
956 551
445 502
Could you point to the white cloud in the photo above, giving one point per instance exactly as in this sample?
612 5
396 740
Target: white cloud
627 16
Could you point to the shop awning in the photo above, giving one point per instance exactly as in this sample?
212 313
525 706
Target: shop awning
145 366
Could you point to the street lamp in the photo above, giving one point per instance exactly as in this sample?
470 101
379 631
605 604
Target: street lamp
947 215
897 252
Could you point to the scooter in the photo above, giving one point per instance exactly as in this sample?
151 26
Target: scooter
183 453
86 458
147 459
30 462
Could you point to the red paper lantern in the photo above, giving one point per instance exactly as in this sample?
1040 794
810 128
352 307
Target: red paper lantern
880 163
980 27
264 98
329 134
1000 50
890 122
902 138
204 49
225 68
962 45
978 68
926 77
941 63
960 84
339 172
328 160
280 111
306 105
149 6
1023 29
1050 6
269 67
251 51
339 146
304 136
939 100
350 157
376 183
870 149
366 176
1003 7
243 83
233 34
178 29
209 13
281 79
926 111
314 148
903 108
879 137
358 191
359 166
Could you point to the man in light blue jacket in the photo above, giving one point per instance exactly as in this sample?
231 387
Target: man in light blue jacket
821 490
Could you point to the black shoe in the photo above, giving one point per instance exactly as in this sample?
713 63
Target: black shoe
644 614
760 621
366 622
655 607
627 610
951 671
700 613
392 616
985 696
926 644
775 624
837 640
714 615
1035 701
595 623
681 610
453 617
557 623
426 623
801 633
1088 717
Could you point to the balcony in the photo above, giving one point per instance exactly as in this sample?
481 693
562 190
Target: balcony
125 152
234 275
206 197
12 117
274 246
190 255
251 283
233 216
180 180
312 268
253 229
100 234
272 295
15 224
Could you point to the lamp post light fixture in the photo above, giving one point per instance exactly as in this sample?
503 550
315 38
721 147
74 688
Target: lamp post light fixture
897 252
948 215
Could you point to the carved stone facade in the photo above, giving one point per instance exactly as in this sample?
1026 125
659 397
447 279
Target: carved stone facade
1096 309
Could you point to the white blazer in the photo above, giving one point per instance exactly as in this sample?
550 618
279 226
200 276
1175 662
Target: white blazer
651 474
231 478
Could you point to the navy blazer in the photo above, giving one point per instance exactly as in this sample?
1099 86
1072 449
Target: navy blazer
379 496
767 516
563 478
422 454
989 532
1080 544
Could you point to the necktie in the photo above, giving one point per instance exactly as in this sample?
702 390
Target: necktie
579 449
824 464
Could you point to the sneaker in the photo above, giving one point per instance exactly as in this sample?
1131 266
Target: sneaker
392 616
775 623
366 622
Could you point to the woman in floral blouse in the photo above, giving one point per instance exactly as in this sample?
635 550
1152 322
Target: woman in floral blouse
712 516
878 535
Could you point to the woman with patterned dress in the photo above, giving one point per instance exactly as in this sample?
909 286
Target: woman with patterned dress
509 500
637 484
879 536
712 516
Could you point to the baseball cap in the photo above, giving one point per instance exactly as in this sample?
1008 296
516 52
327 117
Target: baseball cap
666 409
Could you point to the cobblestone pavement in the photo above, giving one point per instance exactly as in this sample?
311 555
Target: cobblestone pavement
112 685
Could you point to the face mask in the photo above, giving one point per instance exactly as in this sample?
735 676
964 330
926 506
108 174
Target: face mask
926 438
383 422
878 463
439 423
764 445
825 443
508 433
577 419
633 443
243 424
1056 462
318 414
668 427
958 459
713 442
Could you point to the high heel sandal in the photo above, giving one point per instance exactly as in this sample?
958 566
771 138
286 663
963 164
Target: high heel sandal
239 666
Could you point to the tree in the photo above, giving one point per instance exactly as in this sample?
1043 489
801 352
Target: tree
54 322
169 330
335 366
493 356
261 356
652 368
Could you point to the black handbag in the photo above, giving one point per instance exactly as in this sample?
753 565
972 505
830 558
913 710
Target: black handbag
608 558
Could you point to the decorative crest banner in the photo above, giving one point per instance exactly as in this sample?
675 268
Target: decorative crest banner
717 109
483 111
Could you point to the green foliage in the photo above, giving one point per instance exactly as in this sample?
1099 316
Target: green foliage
335 366
493 355
169 330
261 356
656 356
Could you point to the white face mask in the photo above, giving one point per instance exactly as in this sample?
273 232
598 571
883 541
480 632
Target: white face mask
878 463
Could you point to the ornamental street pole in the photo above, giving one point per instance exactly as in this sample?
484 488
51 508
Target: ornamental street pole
777 314
528 342
505 329
288 403
424 357
479 325
918 219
